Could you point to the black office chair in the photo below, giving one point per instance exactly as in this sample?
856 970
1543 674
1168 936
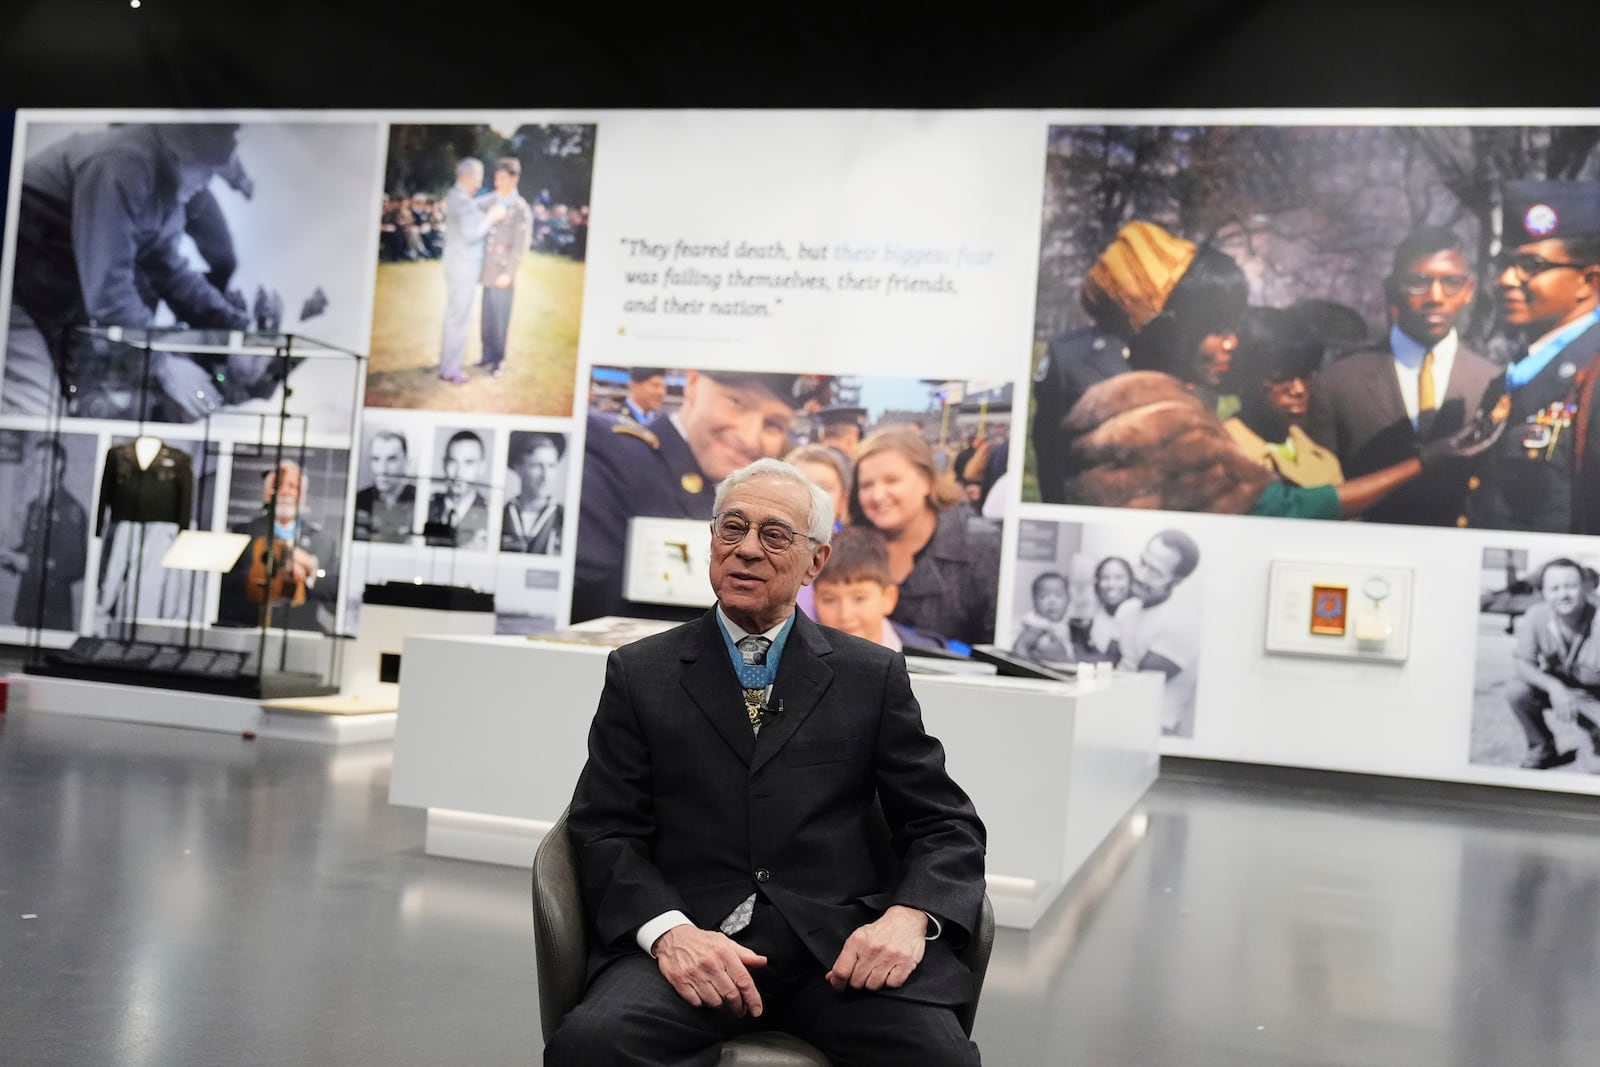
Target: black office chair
561 938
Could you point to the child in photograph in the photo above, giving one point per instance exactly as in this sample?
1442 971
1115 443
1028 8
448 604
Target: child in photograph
1046 635
854 593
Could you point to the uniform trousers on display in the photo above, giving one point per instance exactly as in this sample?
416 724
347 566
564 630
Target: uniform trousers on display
132 561
496 322
630 1014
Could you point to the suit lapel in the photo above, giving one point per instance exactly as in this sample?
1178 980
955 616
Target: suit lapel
803 678
709 680
1388 406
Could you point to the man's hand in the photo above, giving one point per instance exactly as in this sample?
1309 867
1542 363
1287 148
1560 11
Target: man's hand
710 969
882 953
303 566
502 280
14 562
190 388
495 213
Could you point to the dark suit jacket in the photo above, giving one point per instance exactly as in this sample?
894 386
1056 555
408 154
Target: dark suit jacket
681 806
1358 413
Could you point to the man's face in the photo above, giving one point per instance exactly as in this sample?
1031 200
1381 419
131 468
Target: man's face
1549 298
1430 294
536 469
730 426
757 587
505 183
470 180
1563 590
1154 573
42 468
291 497
649 394
857 607
461 462
388 463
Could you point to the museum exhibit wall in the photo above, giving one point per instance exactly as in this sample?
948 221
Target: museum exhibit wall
923 268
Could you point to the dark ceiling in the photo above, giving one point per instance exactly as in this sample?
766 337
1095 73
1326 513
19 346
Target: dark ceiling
1204 53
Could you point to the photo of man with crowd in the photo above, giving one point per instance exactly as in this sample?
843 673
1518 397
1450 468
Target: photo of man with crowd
1364 328
481 241
884 450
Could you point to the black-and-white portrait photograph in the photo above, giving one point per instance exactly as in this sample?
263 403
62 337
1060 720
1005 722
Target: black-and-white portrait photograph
293 511
536 485
217 227
1536 691
386 486
44 529
458 498
147 497
1103 593
527 597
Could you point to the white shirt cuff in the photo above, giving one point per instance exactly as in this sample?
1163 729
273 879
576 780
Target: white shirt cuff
650 931
938 927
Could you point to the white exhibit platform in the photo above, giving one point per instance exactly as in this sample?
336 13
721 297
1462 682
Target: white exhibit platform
34 694
493 734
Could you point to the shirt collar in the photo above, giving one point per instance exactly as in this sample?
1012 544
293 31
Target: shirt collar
1408 351
1561 336
739 633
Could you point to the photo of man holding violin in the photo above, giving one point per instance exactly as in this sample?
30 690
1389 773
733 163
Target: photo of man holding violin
289 573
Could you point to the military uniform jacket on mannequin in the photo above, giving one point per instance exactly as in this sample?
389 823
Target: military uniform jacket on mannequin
162 492
630 470
681 806
1550 487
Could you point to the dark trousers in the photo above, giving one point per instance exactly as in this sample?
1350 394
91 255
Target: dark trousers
631 1015
1529 705
496 322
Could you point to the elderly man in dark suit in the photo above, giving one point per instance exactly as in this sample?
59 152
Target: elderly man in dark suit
767 836
1376 406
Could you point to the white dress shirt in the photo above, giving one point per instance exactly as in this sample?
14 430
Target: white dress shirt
1408 353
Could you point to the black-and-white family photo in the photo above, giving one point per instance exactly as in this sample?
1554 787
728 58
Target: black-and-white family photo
1105 593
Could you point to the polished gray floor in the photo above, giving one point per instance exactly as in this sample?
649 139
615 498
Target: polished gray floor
175 898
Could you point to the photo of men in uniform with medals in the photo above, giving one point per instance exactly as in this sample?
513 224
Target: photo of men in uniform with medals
458 508
536 485
1367 383
1536 697
202 225
1102 593
942 555
481 247
288 575
44 533
386 497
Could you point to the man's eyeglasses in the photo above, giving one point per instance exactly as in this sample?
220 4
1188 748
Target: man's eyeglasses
1422 284
1526 265
730 528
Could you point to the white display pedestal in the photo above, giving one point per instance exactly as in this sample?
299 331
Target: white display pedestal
493 733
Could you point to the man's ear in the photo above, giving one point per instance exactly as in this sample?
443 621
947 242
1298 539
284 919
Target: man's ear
818 558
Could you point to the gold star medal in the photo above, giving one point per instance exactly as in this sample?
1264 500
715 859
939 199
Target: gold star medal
692 482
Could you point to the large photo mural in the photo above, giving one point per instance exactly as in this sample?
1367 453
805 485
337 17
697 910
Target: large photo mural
1396 324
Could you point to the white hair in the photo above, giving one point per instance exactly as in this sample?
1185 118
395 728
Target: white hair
775 469
470 163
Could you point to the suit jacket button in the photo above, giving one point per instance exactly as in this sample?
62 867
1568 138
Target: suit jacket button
763 875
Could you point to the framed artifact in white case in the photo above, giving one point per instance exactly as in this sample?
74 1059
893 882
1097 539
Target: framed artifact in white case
1339 610
667 562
